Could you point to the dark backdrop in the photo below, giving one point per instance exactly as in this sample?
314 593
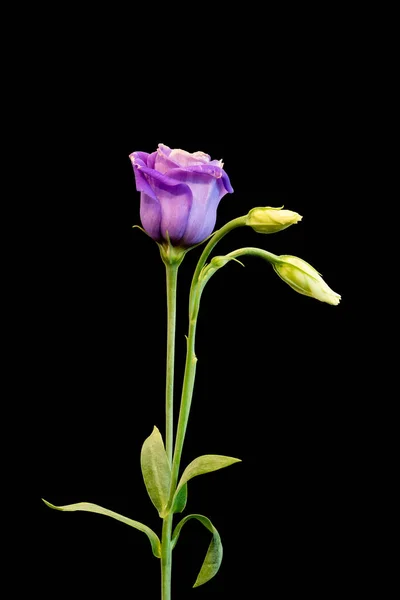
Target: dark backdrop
275 381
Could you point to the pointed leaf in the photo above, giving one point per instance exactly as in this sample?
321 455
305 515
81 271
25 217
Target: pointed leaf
213 559
180 500
156 470
204 464
94 508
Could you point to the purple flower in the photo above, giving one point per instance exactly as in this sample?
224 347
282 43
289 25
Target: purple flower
180 193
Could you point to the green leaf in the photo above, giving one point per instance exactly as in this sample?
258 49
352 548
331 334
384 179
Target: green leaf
180 500
213 559
94 508
156 470
201 465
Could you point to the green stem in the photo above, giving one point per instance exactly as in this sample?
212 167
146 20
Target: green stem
191 359
172 276
217 236
186 401
166 550
188 384
166 558
271 258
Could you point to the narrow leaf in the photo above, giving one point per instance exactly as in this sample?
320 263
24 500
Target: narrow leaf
204 464
180 500
94 508
156 470
213 559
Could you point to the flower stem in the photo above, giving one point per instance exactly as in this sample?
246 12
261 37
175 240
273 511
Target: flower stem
166 550
186 401
166 558
191 359
188 383
172 276
215 238
271 258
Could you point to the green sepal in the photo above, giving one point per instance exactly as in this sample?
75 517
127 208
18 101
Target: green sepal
213 559
156 470
141 229
171 255
94 508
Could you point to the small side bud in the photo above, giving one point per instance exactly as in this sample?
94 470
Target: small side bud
216 263
220 261
303 278
268 219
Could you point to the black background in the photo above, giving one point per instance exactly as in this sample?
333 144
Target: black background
276 384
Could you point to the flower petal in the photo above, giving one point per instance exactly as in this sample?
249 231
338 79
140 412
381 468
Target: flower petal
213 170
139 162
203 215
163 149
186 159
209 183
143 156
150 216
162 162
151 160
181 158
175 199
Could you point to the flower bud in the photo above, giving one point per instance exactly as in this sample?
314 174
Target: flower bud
268 219
303 278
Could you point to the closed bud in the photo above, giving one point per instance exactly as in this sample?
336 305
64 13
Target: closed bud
303 278
268 219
